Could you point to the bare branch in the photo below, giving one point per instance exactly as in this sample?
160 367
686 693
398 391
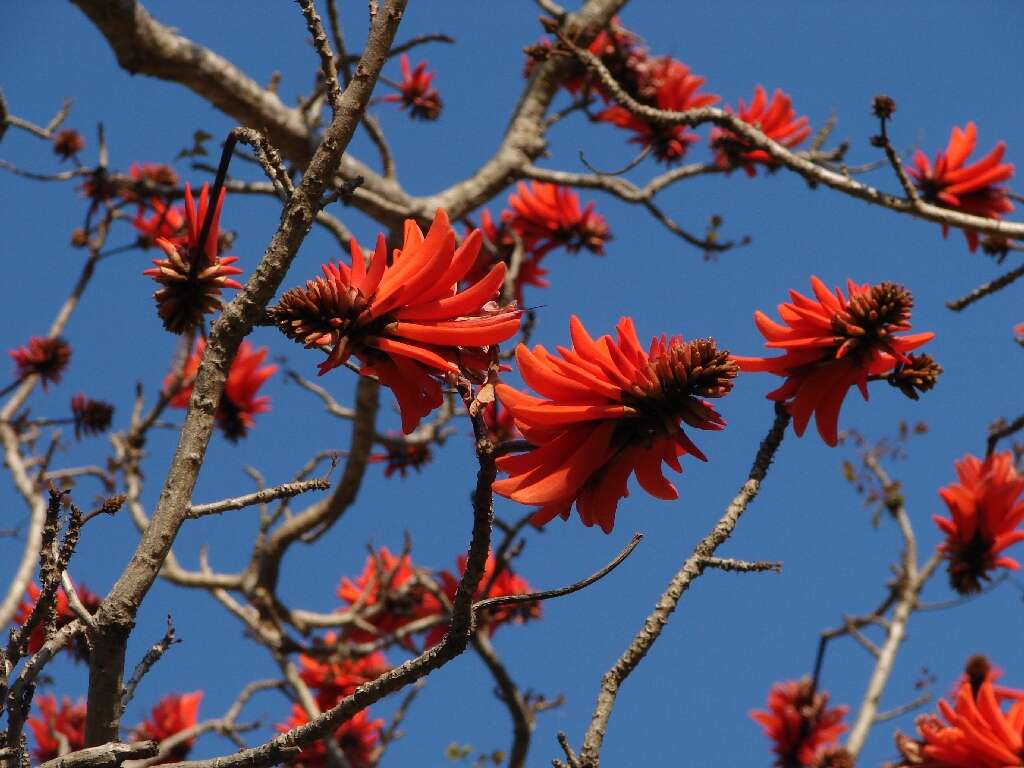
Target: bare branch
104 756
148 661
742 566
283 491
987 289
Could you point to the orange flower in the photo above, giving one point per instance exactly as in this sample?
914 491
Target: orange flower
166 222
548 216
501 425
406 321
978 670
402 456
153 173
358 738
669 86
79 650
414 92
335 678
57 730
832 343
47 357
968 188
173 714
776 119
390 593
191 280
502 584
238 403
499 246
977 733
985 512
608 410
799 723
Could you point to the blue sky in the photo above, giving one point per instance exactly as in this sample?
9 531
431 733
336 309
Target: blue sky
734 635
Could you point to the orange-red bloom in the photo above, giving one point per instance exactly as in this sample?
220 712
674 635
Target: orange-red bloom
985 511
799 723
977 733
173 714
402 456
58 730
68 143
832 343
335 678
152 173
79 649
501 584
47 357
669 86
608 409
166 222
192 280
775 118
969 188
390 593
499 246
500 423
358 738
91 417
406 321
415 93
548 216
239 402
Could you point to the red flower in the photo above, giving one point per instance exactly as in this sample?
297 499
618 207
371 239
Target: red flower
358 738
91 417
406 321
503 584
978 670
68 143
831 344
47 357
173 714
548 216
968 188
79 650
669 86
192 281
415 93
153 173
610 410
390 593
499 246
335 678
985 511
57 730
402 456
1018 333
166 222
501 425
799 723
776 119
239 402
977 733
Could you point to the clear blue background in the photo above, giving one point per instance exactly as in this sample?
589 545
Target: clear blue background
734 635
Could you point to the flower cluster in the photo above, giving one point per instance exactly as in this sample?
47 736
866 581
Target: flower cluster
57 729
333 676
173 714
163 222
192 274
974 732
775 118
415 93
43 356
358 738
239 402
91 417
985 514
406 321
402 456
79 649
608 409
802 728
833 342
68 143
971 188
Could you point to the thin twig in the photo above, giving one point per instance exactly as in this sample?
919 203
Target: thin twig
986 289
283 491
151 657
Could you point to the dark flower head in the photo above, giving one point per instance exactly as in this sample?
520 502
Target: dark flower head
608 409
920 374
971 189
192 278
92 417
985 515
43 356
403 455
68 143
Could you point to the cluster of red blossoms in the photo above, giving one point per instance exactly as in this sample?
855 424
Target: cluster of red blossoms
975 731
404 318
414 92
240 401
540 218
802 728
986 513
79 650
59 729
44 356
